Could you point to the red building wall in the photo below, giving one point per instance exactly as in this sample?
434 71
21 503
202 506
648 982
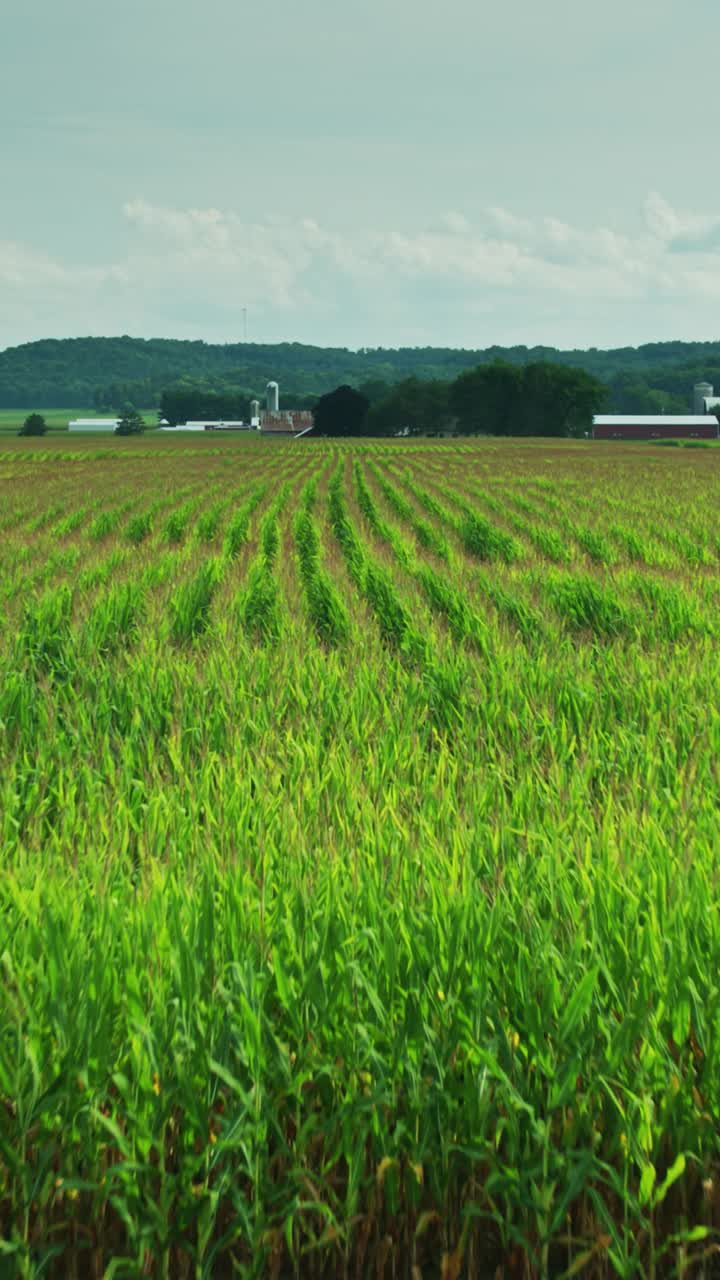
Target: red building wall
635 431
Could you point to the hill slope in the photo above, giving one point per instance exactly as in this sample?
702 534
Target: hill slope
72 371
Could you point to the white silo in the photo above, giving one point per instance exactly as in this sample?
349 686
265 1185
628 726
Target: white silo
272 397
700 391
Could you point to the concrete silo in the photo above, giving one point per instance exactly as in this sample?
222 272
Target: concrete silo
701 391
272 397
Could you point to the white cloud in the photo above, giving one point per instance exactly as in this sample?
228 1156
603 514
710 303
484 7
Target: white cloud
687 232
186 268
23 267
287 262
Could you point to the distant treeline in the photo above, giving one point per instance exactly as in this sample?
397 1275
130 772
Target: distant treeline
107 372
538 399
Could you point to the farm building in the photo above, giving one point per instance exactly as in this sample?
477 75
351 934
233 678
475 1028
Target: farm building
204 425
93 424
704 398
662 426
288 422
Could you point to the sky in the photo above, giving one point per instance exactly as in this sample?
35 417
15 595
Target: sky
384 173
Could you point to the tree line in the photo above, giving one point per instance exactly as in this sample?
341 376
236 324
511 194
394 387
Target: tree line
107 372
538 399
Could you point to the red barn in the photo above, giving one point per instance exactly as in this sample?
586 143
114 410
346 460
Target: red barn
661 426
286 422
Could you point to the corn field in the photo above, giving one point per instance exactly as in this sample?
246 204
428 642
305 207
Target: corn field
361 847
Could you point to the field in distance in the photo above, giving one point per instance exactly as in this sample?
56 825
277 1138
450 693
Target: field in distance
359 812
11 420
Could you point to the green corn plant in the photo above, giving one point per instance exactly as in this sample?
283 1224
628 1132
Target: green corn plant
138 527
327 612
585 603
190 603
390 953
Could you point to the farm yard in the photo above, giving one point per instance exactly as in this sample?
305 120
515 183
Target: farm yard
361 845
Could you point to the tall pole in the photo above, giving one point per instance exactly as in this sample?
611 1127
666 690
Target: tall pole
244 311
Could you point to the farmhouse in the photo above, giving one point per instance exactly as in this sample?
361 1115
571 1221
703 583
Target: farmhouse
661 426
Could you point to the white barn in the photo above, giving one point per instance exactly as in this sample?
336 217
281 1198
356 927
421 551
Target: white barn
93 424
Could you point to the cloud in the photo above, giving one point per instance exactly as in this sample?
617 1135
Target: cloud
286 262
22 267
192 269
682 232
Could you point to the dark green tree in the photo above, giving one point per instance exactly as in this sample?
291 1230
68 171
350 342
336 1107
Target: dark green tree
412 407
34 425
558 400
537 399
130 423
375 389
487 399
341 412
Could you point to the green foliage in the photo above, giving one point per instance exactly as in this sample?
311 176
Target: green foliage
238 528
138 527
358 907
588 604
116 617
259 605
190 603
482 539
34 425
63 373
175 527
325 605
341 412
539 399
208 524
412 407
130 422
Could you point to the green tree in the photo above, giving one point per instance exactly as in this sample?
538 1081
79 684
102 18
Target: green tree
537 399
375 389
557 400
487 399
130 423
341 412
34 425
412 406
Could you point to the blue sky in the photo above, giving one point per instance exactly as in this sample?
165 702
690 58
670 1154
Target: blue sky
362 175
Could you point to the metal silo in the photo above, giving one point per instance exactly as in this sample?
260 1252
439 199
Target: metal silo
700 391
272 397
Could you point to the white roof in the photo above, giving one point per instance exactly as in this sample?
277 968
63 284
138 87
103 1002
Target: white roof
93 422
199 424
654 419
186 426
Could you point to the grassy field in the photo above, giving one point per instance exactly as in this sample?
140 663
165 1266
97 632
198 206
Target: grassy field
360 828
11 420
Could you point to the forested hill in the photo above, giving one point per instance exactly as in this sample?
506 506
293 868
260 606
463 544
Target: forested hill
74 372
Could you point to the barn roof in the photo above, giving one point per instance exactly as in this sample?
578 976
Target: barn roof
653 419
